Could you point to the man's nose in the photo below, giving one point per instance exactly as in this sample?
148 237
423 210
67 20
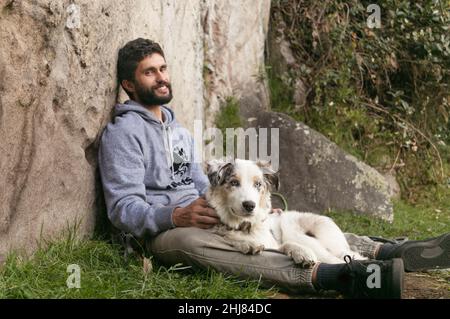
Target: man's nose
161 77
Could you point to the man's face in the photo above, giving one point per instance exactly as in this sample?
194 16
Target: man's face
151 85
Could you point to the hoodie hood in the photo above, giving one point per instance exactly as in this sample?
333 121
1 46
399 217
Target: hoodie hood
133 106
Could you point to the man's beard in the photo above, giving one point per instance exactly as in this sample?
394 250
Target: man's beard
148 96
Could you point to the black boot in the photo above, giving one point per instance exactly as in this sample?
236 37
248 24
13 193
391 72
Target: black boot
371 279
419 255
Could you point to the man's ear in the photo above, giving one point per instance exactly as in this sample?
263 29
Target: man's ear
269 174
128 86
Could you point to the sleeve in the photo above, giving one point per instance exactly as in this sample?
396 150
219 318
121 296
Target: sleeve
122 171
201 181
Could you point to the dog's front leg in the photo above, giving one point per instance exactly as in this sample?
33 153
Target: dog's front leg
220 230
245 246
301 255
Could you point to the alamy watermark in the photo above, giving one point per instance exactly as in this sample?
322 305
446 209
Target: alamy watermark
74 279
374 19
73 20
374 279
251 144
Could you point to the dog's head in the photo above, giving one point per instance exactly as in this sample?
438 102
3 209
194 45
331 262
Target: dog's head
241 188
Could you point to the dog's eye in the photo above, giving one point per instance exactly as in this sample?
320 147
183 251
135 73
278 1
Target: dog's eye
258 185
234 183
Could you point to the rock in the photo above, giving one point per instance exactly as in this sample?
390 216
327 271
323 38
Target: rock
286 51
394 187
279 52
58 85
316 175
234 53
283 63
300 94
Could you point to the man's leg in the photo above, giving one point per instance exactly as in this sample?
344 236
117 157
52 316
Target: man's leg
363 245
199 248
433 253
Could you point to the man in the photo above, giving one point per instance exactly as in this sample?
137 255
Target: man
154 189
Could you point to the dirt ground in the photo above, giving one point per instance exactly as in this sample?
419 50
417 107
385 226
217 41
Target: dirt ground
422 285
427 285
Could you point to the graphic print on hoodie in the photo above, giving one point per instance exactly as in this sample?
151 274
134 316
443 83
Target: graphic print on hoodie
181 164
147 170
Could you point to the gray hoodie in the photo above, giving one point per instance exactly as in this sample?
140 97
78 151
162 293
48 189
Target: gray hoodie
147 169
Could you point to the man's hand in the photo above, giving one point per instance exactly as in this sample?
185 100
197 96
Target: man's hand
197 214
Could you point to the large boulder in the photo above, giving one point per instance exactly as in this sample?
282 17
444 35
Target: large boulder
316 175
58 85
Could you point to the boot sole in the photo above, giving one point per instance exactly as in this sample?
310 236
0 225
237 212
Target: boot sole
432 254
397 278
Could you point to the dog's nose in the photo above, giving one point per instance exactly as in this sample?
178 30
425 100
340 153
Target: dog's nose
249 205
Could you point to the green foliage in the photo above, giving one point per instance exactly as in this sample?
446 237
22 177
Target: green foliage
381 94
228 117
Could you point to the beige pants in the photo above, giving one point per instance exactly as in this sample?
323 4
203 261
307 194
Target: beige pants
202 249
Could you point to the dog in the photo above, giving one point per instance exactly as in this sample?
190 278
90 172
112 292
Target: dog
240 193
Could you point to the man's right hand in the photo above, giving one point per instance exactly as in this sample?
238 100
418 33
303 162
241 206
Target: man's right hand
197 214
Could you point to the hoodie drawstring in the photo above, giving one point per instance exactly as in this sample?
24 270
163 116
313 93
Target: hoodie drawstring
168 146
169 138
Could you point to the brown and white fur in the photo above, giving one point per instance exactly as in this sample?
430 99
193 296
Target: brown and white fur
240 194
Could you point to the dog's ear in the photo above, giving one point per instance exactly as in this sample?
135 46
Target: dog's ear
218 171
211 168
270 175
224 172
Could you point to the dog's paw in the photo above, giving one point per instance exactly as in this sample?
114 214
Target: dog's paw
220 230
245 227
303 257
249 248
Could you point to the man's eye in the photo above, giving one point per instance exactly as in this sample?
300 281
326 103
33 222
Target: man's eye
234 183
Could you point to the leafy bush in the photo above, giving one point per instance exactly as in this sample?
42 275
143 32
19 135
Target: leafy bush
381 94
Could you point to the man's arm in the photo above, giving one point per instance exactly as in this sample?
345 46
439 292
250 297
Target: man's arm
121 163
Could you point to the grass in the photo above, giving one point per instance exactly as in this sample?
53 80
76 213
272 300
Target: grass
105 273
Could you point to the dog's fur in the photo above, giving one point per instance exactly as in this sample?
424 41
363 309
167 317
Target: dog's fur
307 238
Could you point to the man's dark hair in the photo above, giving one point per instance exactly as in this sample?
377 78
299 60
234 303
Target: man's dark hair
131 54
